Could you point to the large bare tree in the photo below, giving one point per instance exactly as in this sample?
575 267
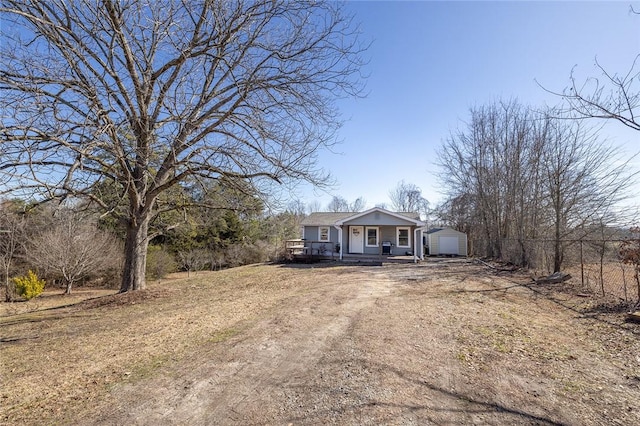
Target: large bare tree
148 94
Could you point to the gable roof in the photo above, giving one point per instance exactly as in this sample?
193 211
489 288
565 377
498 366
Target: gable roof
324 218
449 230
432 230
331 218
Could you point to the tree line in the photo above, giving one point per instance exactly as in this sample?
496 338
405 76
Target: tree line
219 228
516 175
73 245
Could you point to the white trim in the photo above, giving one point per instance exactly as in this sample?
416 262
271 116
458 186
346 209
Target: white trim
328 234
339 228
418 245
366 236
398 229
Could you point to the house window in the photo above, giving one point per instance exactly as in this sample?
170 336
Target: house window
404 239
372 237
323 233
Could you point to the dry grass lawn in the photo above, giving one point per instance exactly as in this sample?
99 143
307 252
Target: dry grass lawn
441 342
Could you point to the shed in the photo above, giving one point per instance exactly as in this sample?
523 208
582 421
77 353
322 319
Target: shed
446 241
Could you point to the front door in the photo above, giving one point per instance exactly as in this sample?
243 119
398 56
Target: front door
356 239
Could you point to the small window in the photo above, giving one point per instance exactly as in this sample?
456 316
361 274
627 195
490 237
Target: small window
323 233
404 239
372 237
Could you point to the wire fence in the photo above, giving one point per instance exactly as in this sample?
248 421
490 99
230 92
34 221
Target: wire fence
596 265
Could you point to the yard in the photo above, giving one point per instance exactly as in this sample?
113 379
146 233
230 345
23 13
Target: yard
440 342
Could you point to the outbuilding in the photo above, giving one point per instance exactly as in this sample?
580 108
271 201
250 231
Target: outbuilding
446 242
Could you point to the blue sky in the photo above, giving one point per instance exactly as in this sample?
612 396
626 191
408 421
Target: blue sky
430 62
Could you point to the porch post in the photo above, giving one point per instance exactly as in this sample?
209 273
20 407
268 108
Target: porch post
339 228
418 245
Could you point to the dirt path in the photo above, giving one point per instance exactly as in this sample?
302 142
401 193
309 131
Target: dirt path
437 343
256 379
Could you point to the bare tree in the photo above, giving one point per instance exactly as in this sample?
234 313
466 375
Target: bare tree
630 254
407 197
584 179
72 248
297 207
193 259
491 168
357 205
456 213
610 97
145 95
313 206
12 239
514 176
338 204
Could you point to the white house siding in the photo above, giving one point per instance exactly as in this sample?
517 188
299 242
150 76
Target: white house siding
435 240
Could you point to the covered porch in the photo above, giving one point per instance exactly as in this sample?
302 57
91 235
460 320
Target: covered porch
302 250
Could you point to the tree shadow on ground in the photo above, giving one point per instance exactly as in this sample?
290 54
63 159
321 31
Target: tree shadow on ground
461 404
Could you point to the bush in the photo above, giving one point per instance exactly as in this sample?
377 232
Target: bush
29 286
159 262
246 253
258 252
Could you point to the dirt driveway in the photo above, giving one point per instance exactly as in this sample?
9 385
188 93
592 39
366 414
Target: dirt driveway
441 343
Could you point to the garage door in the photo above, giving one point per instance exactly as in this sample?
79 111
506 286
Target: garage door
448 245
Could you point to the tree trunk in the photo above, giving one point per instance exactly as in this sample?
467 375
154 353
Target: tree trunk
68 288
557 255
637 277
8 293
135 252
557 244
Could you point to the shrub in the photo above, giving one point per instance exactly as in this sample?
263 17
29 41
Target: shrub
29 286
72 248
159 262
246 253
259 252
